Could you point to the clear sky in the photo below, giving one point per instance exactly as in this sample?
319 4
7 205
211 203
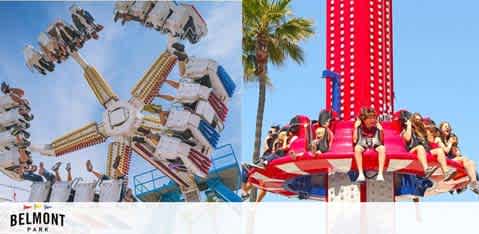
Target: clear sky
435 62
62 100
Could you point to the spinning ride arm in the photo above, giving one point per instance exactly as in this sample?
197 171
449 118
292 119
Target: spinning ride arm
98 85
119 147
87 136
147 87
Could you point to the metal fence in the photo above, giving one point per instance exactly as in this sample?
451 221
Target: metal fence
152 180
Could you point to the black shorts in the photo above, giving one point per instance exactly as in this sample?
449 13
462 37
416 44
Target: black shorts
412 146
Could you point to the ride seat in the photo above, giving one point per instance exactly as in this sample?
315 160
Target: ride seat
85 192
110 190
39 192
61 191
191 92
298 146
171 148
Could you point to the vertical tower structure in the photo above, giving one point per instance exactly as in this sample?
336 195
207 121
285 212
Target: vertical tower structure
359 49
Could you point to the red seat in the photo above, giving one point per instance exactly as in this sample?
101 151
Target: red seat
398 159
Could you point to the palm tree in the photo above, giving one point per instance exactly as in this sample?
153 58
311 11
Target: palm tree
271 34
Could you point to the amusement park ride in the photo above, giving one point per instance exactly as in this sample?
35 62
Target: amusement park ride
359 74
15 119
179 142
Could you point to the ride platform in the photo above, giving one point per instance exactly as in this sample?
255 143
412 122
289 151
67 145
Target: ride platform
330 176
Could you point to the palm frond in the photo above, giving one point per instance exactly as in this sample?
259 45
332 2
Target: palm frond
282 30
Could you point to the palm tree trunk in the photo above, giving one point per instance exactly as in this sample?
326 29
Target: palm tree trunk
259 124
261 51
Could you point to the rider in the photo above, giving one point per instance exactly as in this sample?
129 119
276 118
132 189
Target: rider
268 150
54 50
432 134
82 19
36 60
368 134
450 143
323 135
269 140
415 136
121 11
129 196
101 177
98 175
54 177
69 35
28 173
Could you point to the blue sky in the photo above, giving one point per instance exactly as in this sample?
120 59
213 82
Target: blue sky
62 100
435 62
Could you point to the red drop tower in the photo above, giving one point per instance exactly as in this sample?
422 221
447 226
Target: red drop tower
359 48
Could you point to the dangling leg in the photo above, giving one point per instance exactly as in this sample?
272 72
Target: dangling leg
89 168
421 156
39 69
55 169
23 155
470 167
441 159
164 117
245 185
179 52
172 83
68 168
261 194
245 189
182 67
381 160
166 97
358 157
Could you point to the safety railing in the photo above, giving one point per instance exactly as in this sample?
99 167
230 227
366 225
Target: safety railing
153 180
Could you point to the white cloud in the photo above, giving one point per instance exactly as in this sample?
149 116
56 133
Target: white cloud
224 33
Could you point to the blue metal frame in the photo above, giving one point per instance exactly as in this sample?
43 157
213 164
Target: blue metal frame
335 78
160 181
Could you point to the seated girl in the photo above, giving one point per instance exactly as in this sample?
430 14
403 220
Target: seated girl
415 136
368 134
450 143
280 147
269 141
267 152
432 133
323 141
291 137
323 135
